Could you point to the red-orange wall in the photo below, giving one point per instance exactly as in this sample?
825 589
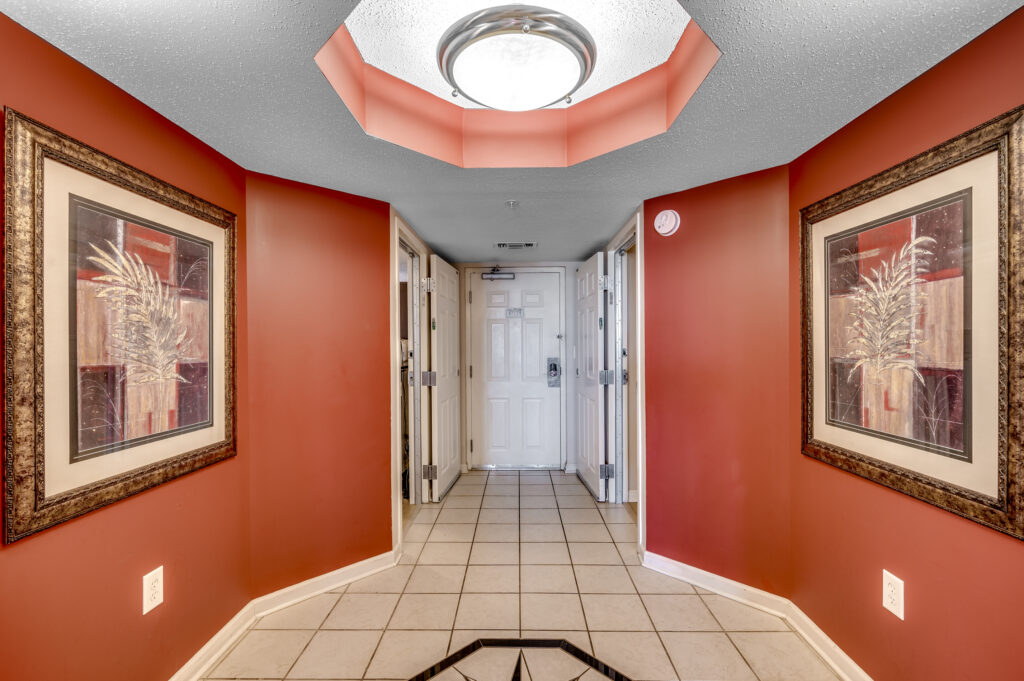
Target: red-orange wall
70 597
308 492
964 582
717 325
727 481
318 367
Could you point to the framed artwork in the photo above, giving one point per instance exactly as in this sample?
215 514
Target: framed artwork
913 326
119 313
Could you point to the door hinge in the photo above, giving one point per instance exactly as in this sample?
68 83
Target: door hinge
606 377
600 323
470 297
604 282
471 371
429 379
470 446
607 471
428 284
429 472
625 376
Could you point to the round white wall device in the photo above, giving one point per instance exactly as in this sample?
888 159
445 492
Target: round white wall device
666 223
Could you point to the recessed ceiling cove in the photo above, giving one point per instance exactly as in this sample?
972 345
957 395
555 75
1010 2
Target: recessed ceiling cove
568 81
401 38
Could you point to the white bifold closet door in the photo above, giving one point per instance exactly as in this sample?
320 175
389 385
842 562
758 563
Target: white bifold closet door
444 360
590 356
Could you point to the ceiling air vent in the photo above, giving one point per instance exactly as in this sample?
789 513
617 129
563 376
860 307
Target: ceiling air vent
515 245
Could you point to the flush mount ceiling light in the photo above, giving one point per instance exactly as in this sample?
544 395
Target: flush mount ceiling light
516 57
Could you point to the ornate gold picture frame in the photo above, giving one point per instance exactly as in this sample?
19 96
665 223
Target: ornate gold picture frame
913 326
119 319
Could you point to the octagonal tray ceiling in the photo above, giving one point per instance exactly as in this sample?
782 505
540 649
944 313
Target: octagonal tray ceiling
631 102
400 38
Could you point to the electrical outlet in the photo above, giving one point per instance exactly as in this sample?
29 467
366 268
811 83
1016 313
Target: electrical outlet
892 593
152 589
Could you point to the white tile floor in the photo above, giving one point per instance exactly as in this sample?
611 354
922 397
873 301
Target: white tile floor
521 554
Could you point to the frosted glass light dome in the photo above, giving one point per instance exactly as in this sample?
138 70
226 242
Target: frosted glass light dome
516 57
516 72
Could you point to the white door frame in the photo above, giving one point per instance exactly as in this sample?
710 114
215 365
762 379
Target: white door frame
403 238
467 348
633 231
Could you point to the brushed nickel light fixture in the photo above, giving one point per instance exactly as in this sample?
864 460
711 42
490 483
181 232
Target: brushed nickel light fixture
516 57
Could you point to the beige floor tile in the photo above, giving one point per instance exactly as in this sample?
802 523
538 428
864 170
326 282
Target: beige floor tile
547 579
580 639
671 612
503 553
706 655
426 516
638 655
336 655
416 533
390 581
497 533
541 533
492 579
702 591
445 553
463 502
579 501
543 553
623 533
580 515
457 515
500 516
362 611
452 532
262 654
617 514
488 611
735 616
436 579
410 553
593 553
536 491
501 502
534 480
537 502
499 490
552 664
629 554
589 532
552 612
615 612
466 491
648 581
572 491
307 614
539 516
781 656
463 637
403 654
603 579
486 664
425 611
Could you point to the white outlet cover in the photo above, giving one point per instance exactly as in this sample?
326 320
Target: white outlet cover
892 593
152 589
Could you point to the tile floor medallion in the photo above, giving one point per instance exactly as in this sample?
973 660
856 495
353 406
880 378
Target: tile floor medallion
510 556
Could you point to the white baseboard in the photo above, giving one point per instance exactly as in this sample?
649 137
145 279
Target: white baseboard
634 496
570 468
201 662
841 663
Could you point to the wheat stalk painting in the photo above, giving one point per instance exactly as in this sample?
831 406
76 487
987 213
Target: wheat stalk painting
148 335
886 306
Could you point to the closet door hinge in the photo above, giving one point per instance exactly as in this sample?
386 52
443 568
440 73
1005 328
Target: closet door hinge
607 471
604 282
429 379
470 297
429 472
470 446
606 377
428 284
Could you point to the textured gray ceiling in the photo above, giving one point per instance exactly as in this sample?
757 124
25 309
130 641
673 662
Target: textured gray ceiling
239 74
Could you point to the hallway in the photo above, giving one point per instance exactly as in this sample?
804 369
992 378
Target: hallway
511 554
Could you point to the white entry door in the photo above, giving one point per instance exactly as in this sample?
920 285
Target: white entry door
444 362
516 339
590 394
